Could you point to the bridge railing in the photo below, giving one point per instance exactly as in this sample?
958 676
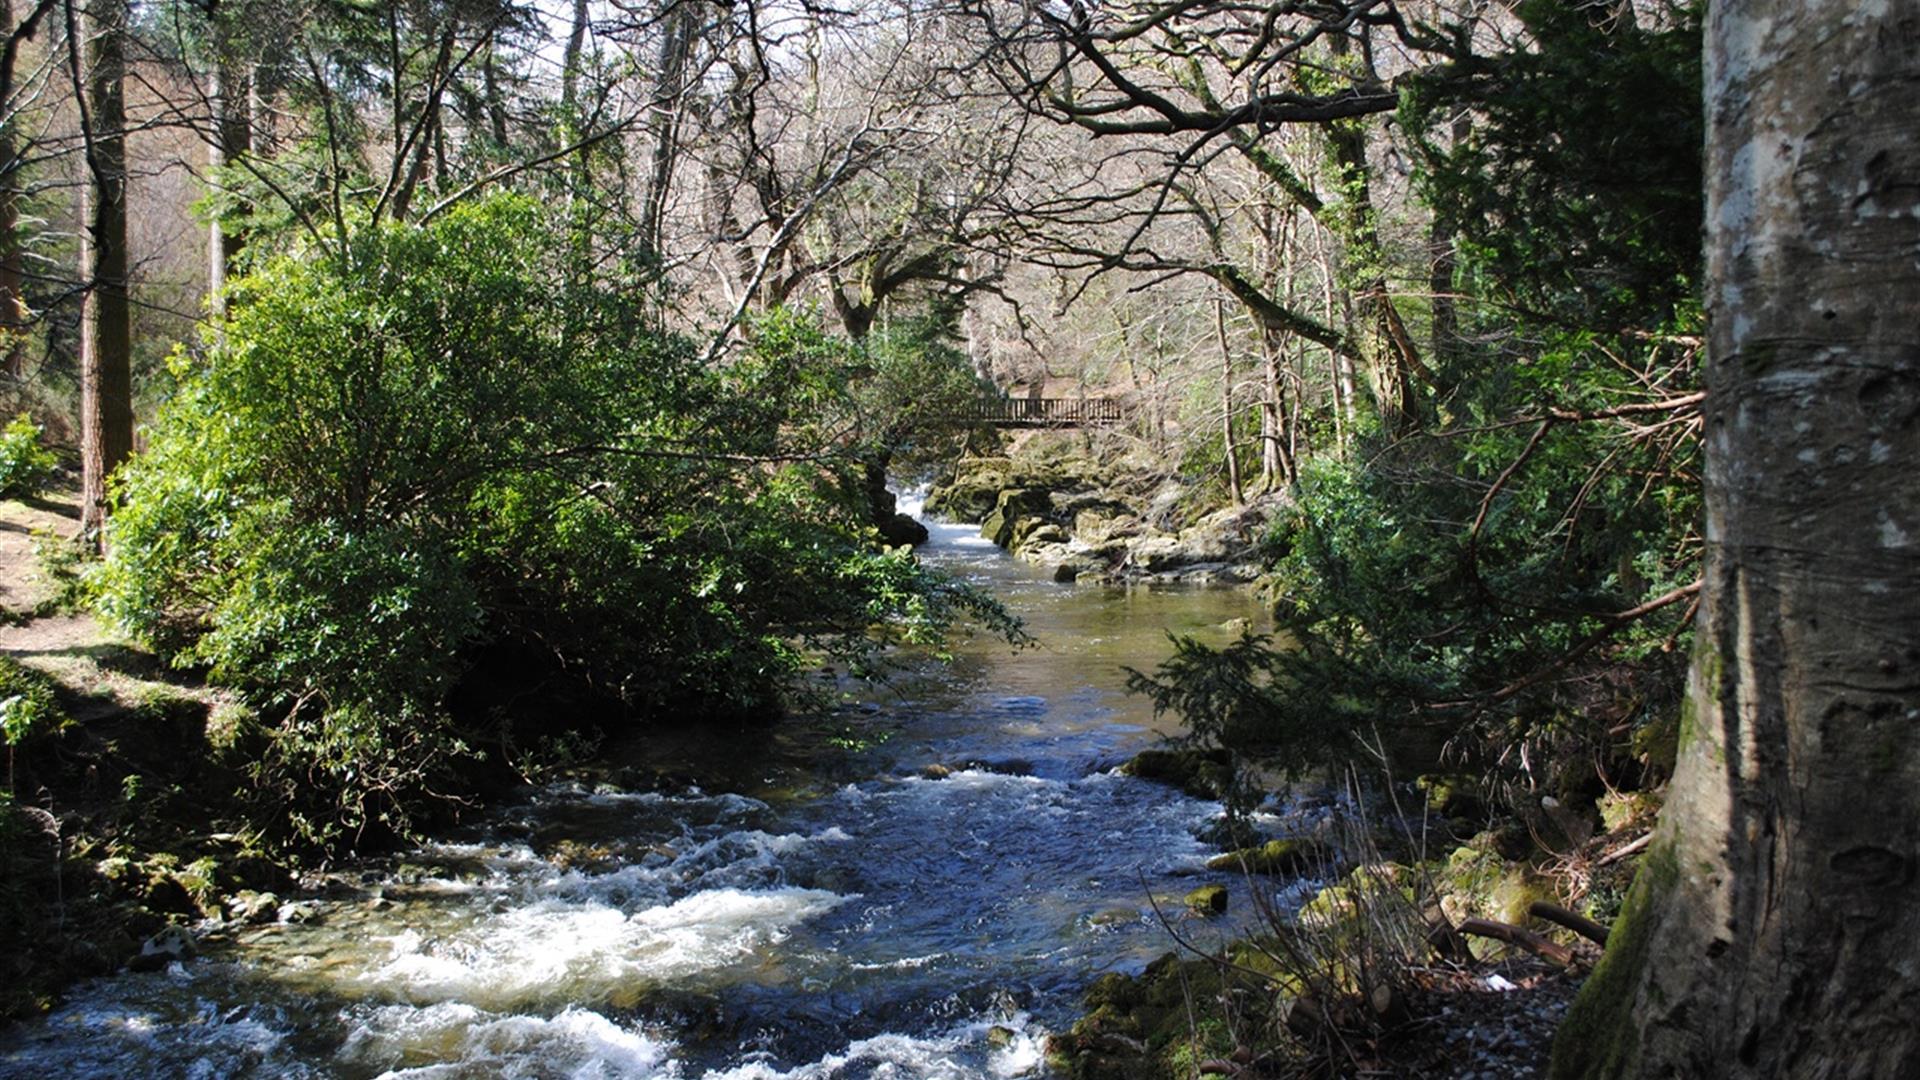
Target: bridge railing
1042 412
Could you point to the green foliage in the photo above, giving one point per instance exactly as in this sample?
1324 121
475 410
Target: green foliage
1576 188
439 486
1473 578
25 465
27 703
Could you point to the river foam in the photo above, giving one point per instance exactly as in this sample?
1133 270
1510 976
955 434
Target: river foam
564 949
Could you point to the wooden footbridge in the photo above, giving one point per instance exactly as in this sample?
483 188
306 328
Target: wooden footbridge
1041 412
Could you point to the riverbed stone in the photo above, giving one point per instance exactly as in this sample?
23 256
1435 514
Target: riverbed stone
998 528
1203 774
1037 532
1273 857
249 907
1208 900
903 530
170 944
969 494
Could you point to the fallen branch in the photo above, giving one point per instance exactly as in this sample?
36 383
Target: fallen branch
1617 855
1572 920
1551 951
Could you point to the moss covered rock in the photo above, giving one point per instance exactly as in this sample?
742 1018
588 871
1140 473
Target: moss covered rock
1203 774
1452 795
1273 857
1478 883
969 494
1628 810
1208 900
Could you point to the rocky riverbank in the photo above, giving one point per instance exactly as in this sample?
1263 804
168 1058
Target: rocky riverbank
117 828
1434 945
1097 521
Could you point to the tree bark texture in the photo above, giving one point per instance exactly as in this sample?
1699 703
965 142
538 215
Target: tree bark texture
12 304
106 366
1774 927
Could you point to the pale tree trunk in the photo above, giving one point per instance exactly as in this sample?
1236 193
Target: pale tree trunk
1774 928
1226 404
106 378
570 109
1270 392
670 86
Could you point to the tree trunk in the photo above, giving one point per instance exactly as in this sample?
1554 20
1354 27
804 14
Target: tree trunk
490 83
232 101
106 376
13 312
1774 927
676 46
1230 451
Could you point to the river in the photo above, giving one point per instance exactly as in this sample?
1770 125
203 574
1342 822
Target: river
806 904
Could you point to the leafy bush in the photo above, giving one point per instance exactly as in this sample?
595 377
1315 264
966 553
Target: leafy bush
25 465
27 704
441 487
1519 575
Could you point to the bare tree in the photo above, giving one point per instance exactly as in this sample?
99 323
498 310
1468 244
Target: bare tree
13 314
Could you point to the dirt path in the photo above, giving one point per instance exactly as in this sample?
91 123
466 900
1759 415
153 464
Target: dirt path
102 671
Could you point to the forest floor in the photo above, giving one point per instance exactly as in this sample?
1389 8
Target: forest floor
1494 1023
43 629
116 821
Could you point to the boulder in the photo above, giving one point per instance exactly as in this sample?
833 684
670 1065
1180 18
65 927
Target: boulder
1628 810
1037 532
998 528
251 908
1025 502
1203 774
1100 524
1452 795
1161 554
969 495
902 529
1477 882
1208 900
170 944
1017 512
1273 857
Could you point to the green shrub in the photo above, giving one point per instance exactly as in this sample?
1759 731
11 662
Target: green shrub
27 704
25 465
441 486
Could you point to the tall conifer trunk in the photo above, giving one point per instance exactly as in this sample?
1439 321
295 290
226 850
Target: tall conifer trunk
106 368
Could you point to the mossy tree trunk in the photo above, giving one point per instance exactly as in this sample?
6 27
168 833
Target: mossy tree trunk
1775 928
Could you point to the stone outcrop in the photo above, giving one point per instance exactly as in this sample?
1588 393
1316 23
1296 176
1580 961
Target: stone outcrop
1096 523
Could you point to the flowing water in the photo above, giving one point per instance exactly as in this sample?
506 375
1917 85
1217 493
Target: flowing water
805 903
